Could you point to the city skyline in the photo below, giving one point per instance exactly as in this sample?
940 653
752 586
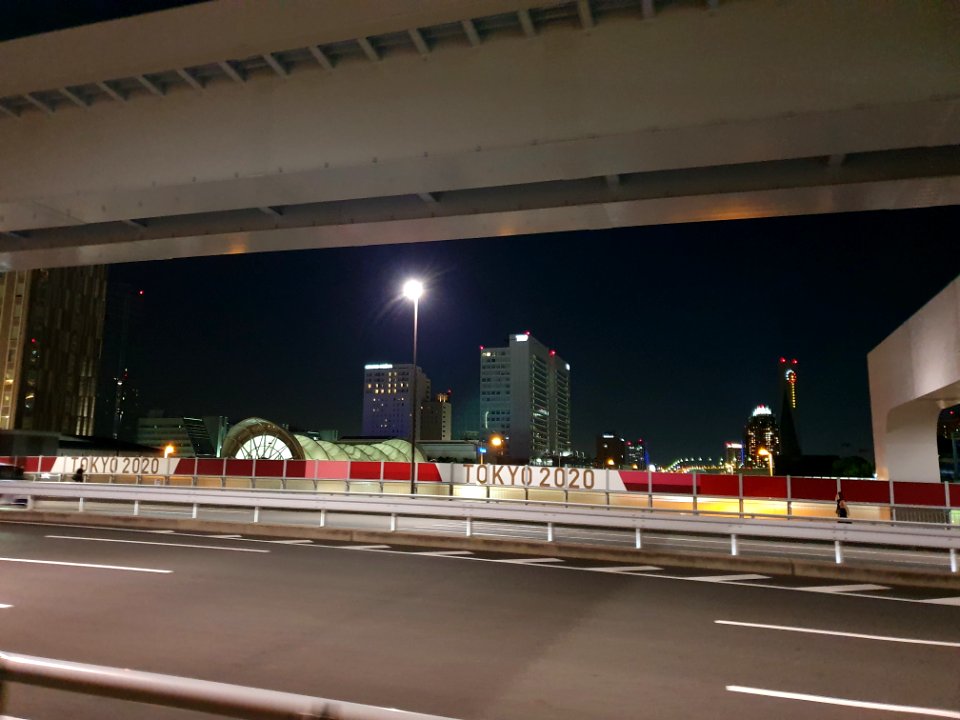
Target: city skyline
286 335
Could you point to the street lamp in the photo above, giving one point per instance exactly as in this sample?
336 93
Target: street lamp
412 290
168 450
769 455
496 442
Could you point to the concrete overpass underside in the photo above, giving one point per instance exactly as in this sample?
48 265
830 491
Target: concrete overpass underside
231 127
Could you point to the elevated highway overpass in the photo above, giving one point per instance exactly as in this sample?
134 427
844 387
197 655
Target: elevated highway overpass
233 127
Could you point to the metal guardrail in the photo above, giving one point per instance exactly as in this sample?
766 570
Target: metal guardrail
549 514
182 693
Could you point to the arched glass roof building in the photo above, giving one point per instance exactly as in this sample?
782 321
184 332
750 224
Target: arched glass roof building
256 438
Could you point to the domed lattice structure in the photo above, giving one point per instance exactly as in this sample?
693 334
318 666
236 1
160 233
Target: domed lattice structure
259 439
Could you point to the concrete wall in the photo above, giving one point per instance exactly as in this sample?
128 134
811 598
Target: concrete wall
914 374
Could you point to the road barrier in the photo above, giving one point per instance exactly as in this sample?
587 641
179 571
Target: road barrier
182 693
740 494
546 514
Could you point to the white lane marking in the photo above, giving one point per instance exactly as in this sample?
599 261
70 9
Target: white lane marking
861 636
144 542
843 588
944 601
364 547
729 578
164 532
933 712
3 607
445 553
624 569
293 542
531 561
85 565
225 537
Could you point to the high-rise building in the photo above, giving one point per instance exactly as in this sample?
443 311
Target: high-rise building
611 451
525 396
51 329
118 391
637 456
761 431
789 440
732 456
436 418
387 399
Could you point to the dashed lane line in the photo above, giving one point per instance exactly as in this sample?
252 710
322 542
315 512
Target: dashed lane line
843 588
4 606
728 578
944 601
624 569
444 553
293 542
531 561
86 565
362 547
846 702
144 542
838 633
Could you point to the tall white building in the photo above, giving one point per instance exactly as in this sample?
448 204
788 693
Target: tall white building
525 396
387 393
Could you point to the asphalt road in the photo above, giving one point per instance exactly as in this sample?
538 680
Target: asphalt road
467 636
894 557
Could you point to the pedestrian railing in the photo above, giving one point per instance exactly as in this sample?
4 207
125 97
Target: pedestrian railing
182 693
549 515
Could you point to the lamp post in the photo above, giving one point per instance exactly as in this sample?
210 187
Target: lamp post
412 290
769 456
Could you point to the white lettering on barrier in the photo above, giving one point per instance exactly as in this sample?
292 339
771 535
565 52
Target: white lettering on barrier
114 465
526 476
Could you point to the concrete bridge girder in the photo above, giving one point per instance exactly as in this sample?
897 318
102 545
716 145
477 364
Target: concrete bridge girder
750 88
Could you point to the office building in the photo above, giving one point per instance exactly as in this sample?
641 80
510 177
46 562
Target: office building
732 456
51 329
637 457
189 436
789 439
611 451
525 397
118 391
387 399
436 418
761 432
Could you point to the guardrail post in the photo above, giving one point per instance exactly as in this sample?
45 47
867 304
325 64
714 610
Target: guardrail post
740 492
30 504
549 532
80 506
789 498
323 517
838 551
636 539
256 514
393 522
734 548
893 507
953 560
136 507
193 514
469 527
649 487
693 491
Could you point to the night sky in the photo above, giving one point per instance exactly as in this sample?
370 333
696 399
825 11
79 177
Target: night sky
673 333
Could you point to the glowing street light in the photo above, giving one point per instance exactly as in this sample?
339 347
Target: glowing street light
413 290
168 450
769 455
